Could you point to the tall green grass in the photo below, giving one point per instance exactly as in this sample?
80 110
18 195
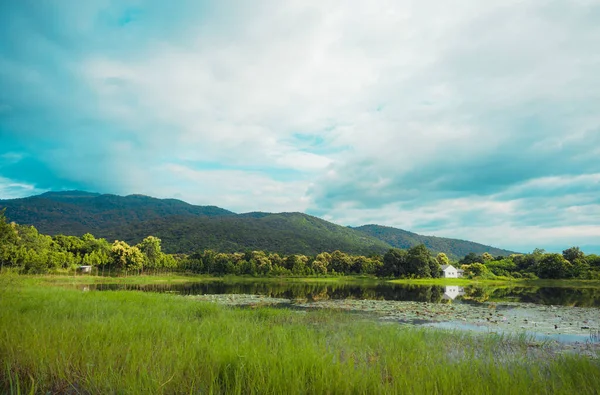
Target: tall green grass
64 341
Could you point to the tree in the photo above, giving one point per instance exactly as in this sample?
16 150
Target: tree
319 267
553 266
435 268
393 263
476 269
340 262
594 261
364 265
486 257
417 261
320 264
573 254
442 259
8 232
297 264
150 247
470 258
126 257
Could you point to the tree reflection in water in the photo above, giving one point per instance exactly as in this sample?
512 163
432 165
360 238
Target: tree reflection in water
311 292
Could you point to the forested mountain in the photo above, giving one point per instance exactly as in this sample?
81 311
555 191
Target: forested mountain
187 228
452 247
288 233
77 212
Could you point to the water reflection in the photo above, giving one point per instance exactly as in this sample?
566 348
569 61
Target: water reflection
451 292
472 294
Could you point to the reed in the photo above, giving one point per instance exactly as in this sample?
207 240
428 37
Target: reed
66 341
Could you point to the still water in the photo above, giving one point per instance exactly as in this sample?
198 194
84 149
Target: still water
470 294
565 314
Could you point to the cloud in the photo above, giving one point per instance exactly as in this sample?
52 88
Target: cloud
457 118
9 189
245 190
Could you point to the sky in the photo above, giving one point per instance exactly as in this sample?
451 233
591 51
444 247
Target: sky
466 119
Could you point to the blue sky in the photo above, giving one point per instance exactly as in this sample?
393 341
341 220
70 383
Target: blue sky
468 119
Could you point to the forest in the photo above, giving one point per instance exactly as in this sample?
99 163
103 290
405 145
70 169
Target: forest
24 250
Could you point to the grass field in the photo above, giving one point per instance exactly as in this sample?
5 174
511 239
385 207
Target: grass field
60 340
506 281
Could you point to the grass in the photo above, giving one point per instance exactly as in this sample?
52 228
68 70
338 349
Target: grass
180 278
60 340
75 278
501 281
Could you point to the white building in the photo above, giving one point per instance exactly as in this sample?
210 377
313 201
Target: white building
449 271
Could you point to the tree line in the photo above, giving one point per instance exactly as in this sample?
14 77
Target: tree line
25 250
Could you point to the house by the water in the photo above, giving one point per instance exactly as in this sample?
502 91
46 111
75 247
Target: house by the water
451 272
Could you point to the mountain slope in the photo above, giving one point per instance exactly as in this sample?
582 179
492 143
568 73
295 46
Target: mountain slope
185 227
76 212
287 233
452 247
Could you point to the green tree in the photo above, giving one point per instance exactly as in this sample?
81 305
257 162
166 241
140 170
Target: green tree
151 248
470 258
553 266
435 268
319 266
340 262
573 254
476 269
8 231
442 259
417 261
393 263
126 257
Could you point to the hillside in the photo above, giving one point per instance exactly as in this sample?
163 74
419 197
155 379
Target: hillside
286 233
403 239
76 212
184 227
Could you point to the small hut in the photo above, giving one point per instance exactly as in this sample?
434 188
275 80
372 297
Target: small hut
85 269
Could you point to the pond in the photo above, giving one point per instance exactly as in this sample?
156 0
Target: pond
564 314
313 291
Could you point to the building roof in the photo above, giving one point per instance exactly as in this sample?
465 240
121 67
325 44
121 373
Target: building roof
444 267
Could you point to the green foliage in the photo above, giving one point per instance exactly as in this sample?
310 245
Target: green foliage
393 263
442 259
475 269
403 239
471 258
185 228
126 257
77 212
25 250
573 254
417 261
503 267
553 266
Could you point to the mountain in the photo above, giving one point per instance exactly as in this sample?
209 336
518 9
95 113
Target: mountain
185 228
77 212
287 233
452 247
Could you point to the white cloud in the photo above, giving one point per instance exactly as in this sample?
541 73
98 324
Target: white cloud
240 191
456 116
10 189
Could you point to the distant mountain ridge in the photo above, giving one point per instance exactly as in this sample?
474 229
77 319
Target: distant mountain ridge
399 238
185 228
